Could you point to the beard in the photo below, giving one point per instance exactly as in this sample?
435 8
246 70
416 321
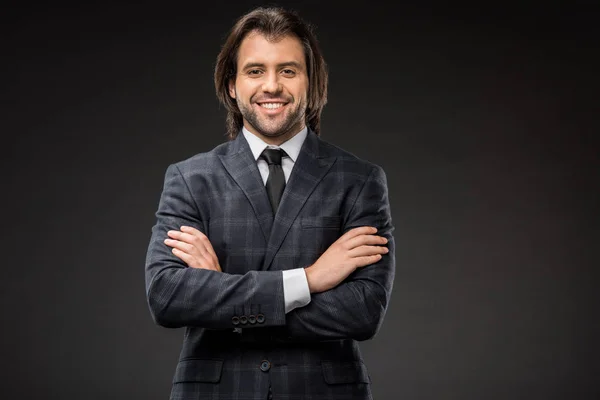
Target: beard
292 121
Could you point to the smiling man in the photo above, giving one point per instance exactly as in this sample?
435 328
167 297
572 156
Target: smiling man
274 250
271 86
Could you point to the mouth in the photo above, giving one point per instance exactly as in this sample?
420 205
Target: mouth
272 107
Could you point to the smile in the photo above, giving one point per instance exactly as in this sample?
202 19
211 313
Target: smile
272 106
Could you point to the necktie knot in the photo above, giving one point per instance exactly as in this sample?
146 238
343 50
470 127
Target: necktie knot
273 156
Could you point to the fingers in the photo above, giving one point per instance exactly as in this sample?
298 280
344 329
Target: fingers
187 236
181 245
192 238
185 257
361 230
364 247
189 254
367 260
202 238
364 239
193 247
362 251
196 260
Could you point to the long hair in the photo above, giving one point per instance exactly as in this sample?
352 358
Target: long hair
274 23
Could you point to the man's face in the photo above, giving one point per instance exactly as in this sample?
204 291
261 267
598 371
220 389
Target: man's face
271 86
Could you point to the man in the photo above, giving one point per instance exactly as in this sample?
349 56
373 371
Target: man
275 249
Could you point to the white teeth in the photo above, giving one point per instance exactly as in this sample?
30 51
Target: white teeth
271 105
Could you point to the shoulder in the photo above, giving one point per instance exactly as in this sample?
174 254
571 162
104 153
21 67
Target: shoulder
350 162
201 162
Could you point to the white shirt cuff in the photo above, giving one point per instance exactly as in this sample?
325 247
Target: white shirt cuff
295 289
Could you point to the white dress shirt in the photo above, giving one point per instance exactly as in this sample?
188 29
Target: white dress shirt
295 286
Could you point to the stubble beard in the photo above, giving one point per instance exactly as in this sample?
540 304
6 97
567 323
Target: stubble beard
290 123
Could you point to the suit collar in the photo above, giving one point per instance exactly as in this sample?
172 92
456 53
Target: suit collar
241 165
291 147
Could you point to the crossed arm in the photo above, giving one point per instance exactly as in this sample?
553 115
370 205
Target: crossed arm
356 248
350 283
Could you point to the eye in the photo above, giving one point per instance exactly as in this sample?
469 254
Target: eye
254 72
288 72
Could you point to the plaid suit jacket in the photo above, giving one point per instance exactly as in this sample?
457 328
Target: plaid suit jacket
310 353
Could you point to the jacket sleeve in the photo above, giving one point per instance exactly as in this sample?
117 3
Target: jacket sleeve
356 308
179 296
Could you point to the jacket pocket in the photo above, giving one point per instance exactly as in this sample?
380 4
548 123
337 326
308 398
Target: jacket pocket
336 372
321 222
198 370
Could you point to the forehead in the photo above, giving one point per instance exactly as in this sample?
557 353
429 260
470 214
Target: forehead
256 48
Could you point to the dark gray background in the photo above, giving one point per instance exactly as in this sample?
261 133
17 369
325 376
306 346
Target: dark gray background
483 119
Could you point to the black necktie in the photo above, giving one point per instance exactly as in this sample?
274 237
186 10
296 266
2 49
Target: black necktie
276 179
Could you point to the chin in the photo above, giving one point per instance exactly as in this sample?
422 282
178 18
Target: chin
274 134
273 131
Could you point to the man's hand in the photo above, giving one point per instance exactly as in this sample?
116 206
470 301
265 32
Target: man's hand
194 248
356 248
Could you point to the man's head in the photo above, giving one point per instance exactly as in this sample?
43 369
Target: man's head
271 75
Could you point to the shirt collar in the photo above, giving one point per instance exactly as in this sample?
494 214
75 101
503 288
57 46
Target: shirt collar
292 146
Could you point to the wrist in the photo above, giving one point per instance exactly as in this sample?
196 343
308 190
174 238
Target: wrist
309 278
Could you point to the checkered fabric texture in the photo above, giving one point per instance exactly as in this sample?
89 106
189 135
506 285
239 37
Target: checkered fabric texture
238 341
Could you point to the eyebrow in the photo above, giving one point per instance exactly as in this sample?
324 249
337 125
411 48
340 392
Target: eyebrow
285 64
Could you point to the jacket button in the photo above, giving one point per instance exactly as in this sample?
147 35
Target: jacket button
265 366
252 319
260 318
243 320
235 320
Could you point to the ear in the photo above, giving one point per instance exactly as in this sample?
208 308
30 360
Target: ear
231 86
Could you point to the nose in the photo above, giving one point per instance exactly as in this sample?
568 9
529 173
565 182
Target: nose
271 83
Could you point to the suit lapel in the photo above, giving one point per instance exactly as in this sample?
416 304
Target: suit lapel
309 169
243 169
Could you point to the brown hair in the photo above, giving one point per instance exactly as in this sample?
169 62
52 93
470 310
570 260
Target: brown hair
273 23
